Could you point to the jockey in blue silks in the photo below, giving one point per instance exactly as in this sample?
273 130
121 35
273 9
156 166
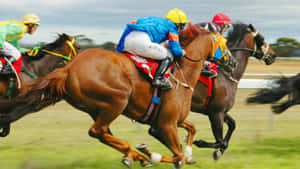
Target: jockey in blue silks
145 36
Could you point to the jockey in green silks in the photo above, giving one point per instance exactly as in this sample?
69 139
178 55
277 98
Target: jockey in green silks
10 33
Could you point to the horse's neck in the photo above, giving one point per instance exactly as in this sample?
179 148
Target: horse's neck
40 66
242 58
199 48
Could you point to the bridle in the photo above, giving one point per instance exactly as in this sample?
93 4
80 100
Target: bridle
38 49
72 52
254 51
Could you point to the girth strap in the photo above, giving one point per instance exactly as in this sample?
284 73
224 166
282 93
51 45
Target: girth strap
152 108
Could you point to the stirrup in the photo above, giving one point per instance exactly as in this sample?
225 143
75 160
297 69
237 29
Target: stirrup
162 84
209 74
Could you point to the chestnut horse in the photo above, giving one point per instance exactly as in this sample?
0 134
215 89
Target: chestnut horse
243 41
106 84
47 58
285 86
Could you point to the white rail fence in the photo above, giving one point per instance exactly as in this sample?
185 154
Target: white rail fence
259 83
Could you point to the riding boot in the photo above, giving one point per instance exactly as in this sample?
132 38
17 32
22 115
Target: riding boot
159 80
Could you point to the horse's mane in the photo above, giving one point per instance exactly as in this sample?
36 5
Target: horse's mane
190 33
236 35
57 43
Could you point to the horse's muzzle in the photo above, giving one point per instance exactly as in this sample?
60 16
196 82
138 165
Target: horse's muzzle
269 59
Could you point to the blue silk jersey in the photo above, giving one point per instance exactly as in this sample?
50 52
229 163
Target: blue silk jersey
158 29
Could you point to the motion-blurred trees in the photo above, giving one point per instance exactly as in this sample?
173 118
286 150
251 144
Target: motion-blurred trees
286 47
85 43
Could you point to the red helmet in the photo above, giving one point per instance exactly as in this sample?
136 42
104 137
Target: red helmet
221 19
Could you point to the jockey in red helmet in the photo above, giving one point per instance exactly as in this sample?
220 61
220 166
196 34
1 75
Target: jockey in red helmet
219 24
222 22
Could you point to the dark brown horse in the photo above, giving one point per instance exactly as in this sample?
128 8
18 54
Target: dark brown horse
106 84
285 86
244 41
47 58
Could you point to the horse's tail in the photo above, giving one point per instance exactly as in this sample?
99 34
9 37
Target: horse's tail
280 88
41 93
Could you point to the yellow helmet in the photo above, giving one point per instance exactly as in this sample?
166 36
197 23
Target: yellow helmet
30 18
177 16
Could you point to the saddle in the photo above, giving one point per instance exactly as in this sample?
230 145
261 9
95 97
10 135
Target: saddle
8 70
147 66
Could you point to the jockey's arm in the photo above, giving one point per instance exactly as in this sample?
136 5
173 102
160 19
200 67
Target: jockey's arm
16 44
174 44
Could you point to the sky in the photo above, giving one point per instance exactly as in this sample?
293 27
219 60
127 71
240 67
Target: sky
105 20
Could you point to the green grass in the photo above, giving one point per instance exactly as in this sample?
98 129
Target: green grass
57 138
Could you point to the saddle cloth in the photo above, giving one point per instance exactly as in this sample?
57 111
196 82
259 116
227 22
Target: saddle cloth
17 65
209 82
148 66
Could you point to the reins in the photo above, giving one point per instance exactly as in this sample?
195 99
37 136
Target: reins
193 60
73 52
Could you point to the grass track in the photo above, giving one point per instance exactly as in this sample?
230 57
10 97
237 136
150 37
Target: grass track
57 138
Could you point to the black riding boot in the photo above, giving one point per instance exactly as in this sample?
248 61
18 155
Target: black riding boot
159 80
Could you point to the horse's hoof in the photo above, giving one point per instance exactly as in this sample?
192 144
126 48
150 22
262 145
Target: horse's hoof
142 147
147 163
191 161
217 155
178 164
127 162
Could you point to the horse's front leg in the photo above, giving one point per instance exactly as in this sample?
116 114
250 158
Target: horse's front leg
168 135
231 127
216 121
189 140
5 130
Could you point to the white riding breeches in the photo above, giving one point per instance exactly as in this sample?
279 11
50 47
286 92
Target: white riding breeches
140 44
9 50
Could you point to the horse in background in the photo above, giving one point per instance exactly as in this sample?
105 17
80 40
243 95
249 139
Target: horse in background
284 86
243 41
106 84
47 58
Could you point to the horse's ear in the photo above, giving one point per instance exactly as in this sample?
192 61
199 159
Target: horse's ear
211 28
251 27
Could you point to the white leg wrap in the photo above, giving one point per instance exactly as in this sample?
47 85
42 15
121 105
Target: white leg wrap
188 151
156 157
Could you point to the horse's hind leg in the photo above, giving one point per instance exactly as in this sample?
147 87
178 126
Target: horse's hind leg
101 131
279 108
189 140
